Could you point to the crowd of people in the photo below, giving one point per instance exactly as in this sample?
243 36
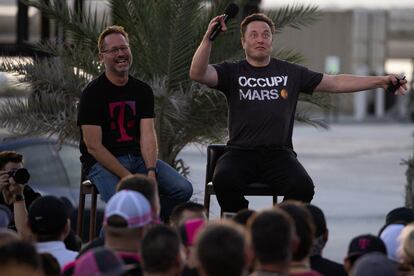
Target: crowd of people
150 228
286 239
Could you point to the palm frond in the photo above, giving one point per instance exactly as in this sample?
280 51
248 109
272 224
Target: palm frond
40 114
294 16
84 28
181 43
289 55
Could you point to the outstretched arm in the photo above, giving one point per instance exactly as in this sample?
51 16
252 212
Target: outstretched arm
200 70
352 83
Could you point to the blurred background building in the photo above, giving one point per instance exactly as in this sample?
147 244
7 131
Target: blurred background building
373 39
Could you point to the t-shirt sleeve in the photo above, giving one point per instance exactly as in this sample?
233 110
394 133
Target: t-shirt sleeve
309 80
223 74
148 109
88 109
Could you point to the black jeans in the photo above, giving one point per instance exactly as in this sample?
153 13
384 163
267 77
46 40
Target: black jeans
278 168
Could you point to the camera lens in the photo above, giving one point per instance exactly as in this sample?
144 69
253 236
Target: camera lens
20 176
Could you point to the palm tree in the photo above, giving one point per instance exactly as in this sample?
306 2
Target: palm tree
163 37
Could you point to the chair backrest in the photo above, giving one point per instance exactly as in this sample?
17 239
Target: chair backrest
214 151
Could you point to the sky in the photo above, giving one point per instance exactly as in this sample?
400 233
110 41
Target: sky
328 4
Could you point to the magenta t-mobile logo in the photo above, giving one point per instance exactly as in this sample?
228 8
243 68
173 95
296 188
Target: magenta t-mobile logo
364 243
117 111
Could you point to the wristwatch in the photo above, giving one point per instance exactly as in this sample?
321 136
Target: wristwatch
18 197
154 169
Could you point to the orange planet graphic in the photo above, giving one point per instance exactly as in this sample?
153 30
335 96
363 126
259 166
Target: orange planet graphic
284 93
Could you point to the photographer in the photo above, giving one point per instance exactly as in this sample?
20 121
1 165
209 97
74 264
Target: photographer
14 193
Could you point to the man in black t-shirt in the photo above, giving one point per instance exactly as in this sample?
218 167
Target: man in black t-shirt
116 117
262 94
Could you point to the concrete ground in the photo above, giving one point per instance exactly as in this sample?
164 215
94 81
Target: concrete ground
356 169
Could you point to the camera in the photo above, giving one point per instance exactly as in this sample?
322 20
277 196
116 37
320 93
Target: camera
20 176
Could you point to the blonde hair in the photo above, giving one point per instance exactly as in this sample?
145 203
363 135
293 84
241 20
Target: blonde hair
406 249
110 30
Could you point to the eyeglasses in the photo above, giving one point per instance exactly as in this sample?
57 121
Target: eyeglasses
114 51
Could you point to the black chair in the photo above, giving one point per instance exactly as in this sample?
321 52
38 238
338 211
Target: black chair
214 151
87 188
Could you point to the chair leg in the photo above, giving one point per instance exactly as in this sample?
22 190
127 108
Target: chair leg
274 200
81 209
207 203
92 222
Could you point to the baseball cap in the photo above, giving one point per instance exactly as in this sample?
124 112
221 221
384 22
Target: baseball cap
374 264
47 214
99 261
189 230
400 215
390 236
364 244
131 206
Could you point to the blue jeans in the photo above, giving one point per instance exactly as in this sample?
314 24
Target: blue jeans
172 186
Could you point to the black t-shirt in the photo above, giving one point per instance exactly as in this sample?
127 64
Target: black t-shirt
262 100
118 111
326 267
29 196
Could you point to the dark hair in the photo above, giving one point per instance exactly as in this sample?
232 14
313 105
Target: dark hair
271 234
159 249
20 252
256 17
304 227
243 216
139 183
177 212
110 30
50 265
318 219
220 249
9 156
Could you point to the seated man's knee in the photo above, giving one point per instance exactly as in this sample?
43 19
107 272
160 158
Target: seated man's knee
301 188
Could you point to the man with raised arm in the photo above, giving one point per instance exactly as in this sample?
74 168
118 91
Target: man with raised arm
262 94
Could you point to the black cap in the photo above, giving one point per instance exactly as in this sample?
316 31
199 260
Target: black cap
400 215
47 215
318 219
363 244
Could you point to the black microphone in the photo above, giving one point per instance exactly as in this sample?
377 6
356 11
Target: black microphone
230 12
393 87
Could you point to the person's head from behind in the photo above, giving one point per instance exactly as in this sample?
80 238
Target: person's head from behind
114 51
144 185
361 245
126 218
304 228
7 236
161 251
257 36
220 248
50 265
19 258
271 235
48 219
406 248
243 216
374 264
186 211
100 261
321 230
